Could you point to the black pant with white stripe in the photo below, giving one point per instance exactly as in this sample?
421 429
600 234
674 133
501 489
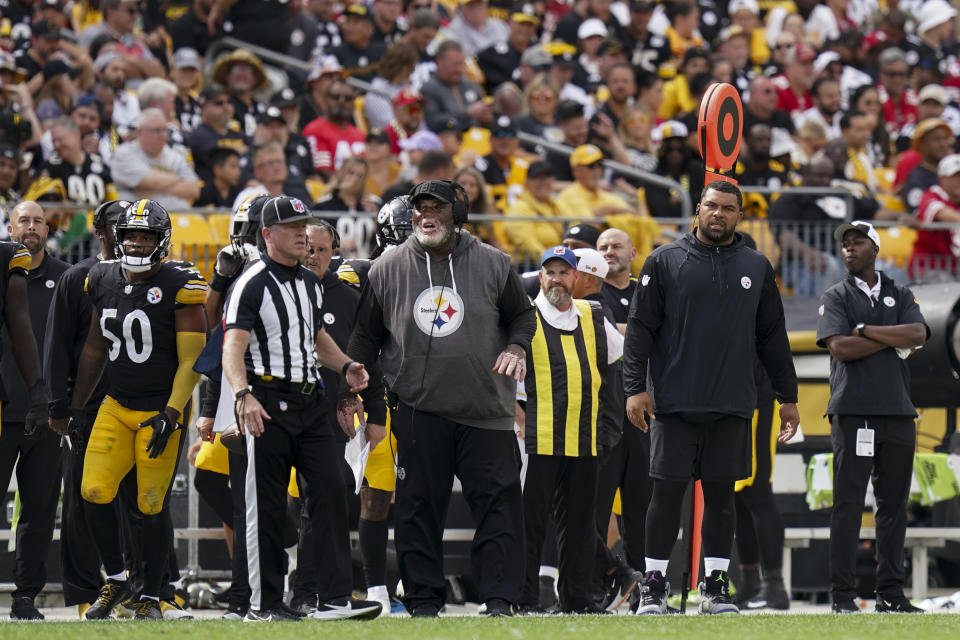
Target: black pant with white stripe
297 435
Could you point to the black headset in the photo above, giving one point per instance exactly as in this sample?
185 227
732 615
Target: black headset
461 202
320 222
461 205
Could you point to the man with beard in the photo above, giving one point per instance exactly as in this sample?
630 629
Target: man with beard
333 138
33 448
706 289
826 109
756 168
568 364
438 301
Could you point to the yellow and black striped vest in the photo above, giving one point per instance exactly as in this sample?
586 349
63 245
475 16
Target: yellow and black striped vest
563 385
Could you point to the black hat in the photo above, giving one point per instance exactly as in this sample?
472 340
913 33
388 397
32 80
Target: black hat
54 68
439 189
284 98
567 110
272 114
284 209
210 92
610 46
451 124
90 100
47 29
539 169
108 212
641 6
8 151
502 124
379 135
584 233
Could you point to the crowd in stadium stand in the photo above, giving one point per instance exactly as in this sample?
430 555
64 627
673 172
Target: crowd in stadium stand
136 98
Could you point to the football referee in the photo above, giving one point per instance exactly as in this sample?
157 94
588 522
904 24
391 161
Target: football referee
274 343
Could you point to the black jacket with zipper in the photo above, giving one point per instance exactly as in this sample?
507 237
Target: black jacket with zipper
699 315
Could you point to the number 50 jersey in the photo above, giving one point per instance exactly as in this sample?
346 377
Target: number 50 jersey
137 320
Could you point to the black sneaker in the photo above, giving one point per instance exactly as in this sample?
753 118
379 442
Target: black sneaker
897 604
347 608
234 613
653 594
498 608
549 602
425 610
147 609
111 594
279 614
773 595
23 608
304 604
845 605
626 582
715 595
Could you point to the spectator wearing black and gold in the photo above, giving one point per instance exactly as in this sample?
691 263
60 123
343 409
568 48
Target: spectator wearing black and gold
9 181
503 168
755 168
570 118
359 53
214 131
222 190
677 162
86 176
500 62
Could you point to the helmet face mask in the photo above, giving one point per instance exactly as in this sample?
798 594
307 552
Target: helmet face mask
145 216
394 223
245 223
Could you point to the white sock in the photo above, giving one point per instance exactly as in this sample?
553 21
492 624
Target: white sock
550 572
715 564
118 577
378 592
154 598
653 564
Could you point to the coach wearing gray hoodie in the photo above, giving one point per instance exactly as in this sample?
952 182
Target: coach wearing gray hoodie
450 323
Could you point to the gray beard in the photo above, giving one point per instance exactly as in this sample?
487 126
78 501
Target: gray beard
557 295
433 242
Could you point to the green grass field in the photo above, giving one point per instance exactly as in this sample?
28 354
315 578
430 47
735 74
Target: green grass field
781 627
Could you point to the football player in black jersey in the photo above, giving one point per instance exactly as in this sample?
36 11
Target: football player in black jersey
85 175
147 329
394 225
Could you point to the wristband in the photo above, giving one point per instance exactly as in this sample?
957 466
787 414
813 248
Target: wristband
241 393
343 371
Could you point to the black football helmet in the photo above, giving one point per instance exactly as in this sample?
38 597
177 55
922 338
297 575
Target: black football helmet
143 215
245 223
394 222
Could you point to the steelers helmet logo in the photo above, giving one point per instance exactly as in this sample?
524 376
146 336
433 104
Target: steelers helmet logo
889 301
745 282
154 295
438 311
329 318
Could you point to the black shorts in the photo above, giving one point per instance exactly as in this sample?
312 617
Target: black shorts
712 447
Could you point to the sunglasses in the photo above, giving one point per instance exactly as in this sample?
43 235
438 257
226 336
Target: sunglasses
895 74
342 97
505 134
783 46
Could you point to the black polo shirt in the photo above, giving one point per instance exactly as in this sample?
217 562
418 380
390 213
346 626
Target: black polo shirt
878 385
617 301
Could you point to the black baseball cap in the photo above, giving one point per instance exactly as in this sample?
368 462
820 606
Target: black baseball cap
451 124
90 100
108 212
211 92
378 134
284 209
502 124
286 97
610 46
54 68
539 169
358 10
439 189
272 114
46 29
8 151
584 233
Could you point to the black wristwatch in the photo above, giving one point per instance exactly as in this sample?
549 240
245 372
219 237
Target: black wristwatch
860 327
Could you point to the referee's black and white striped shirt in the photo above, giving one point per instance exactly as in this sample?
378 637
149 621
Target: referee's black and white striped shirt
280 307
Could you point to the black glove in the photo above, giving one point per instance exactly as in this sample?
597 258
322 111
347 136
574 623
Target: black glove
77 431
227 267
163 428
38 413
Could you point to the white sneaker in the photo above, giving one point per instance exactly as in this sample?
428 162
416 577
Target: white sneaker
347 608
381 595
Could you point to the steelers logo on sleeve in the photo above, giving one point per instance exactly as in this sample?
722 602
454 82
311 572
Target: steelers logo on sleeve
438 311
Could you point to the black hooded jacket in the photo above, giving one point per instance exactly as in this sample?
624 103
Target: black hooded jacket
699 316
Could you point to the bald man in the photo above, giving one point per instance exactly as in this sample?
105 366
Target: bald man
617 249
35 446
627 464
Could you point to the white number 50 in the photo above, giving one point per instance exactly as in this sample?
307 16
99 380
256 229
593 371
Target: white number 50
146 335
